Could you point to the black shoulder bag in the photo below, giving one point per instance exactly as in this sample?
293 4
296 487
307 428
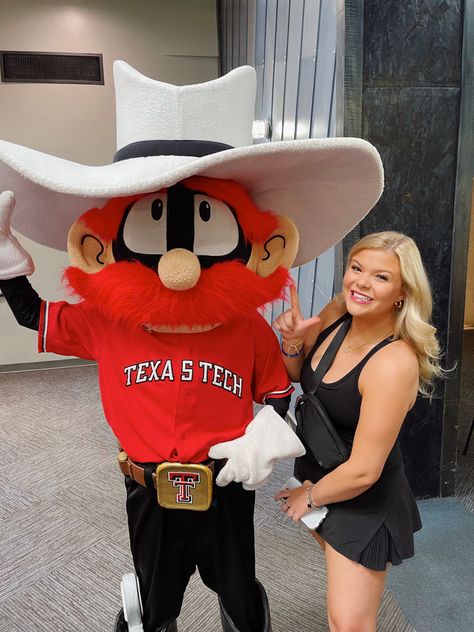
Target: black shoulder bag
314 426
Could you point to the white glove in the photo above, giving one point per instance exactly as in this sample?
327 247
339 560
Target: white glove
14 260
250 458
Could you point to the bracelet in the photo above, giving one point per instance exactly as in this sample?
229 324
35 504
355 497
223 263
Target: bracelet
309 501
290 347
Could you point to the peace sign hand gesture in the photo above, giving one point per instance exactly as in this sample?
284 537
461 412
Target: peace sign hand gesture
291 324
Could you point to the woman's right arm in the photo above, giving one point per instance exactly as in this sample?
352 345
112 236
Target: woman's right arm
298 334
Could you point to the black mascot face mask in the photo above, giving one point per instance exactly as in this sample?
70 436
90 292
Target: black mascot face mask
181 257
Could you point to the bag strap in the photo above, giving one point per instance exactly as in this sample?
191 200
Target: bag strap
330 354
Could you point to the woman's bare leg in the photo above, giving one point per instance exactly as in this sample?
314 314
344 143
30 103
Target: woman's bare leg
318 539
353 594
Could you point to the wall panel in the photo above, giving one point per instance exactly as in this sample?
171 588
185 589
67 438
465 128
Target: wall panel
293 56
408 89
294 44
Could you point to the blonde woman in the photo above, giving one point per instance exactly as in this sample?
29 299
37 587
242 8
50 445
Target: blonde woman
388 356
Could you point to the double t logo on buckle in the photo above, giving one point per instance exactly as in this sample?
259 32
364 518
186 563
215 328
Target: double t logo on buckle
184 486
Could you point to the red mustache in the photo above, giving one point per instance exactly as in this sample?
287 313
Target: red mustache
131 292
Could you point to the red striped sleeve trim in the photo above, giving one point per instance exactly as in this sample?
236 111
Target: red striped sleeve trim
277 394
43 326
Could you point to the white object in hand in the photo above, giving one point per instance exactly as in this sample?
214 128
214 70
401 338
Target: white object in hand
251 457
314 518
14 260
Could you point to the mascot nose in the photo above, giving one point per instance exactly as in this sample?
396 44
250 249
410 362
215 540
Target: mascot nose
179 269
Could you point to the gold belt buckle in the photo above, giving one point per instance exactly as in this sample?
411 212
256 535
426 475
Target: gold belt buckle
184 486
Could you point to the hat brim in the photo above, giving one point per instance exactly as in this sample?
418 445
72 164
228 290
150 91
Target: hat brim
325 185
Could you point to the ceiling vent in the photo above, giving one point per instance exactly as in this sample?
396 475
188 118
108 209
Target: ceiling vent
28 67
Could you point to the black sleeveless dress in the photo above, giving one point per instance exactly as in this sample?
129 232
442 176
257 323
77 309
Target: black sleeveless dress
377 526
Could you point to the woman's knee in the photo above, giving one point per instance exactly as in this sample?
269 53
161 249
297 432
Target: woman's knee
351 622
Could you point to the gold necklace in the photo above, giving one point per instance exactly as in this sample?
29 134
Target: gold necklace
348 347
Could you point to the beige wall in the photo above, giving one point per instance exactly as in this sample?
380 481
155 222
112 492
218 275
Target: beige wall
169 40
469 308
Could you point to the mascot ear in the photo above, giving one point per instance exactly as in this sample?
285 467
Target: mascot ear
87 251
279 249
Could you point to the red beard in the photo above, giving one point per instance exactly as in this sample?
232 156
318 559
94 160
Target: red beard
133 293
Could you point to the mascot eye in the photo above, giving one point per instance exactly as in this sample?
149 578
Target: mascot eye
157 209
216 231
145 227
205 211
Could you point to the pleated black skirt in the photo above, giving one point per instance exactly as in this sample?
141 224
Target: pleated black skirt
375 528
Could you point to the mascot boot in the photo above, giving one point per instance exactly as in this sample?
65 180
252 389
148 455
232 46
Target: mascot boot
122 626
129 619
229 626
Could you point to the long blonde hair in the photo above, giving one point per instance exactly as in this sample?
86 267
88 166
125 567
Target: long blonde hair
412 320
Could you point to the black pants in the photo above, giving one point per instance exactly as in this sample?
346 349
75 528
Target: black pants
168 544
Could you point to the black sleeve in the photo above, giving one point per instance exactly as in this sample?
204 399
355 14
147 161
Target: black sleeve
23 300
280 404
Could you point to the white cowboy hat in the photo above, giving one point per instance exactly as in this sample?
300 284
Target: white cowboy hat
166 133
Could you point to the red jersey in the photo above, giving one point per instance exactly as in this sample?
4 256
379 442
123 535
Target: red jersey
170 397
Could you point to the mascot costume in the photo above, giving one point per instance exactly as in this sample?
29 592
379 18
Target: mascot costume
173 249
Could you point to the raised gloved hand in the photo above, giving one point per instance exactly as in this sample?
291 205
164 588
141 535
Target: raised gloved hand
251 457
14 260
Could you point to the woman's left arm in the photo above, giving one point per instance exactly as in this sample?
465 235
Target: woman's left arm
388 385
